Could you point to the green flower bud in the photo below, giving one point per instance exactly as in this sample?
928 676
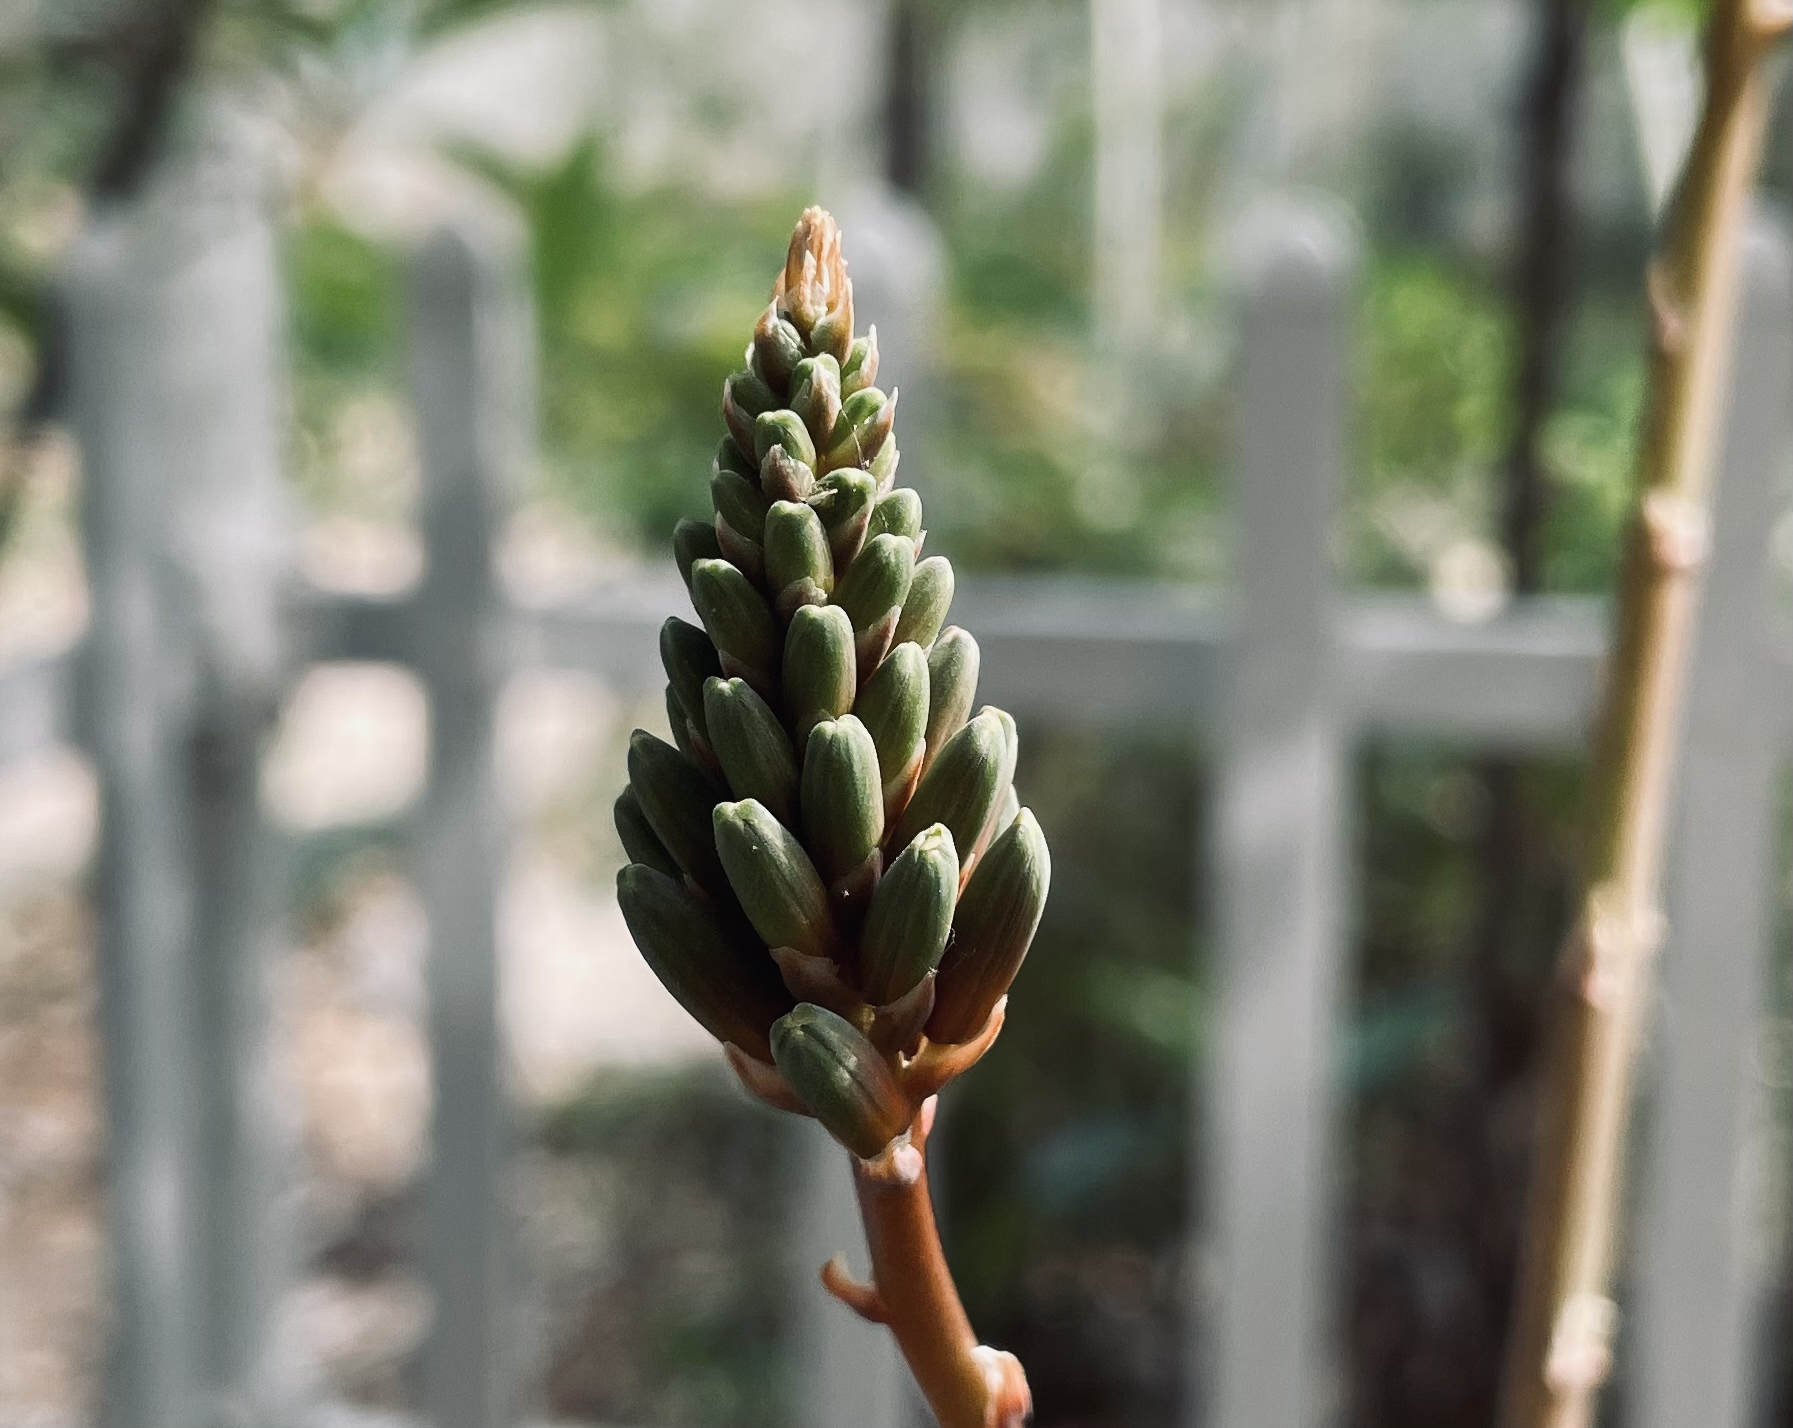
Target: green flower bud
676 796
930 596
843 800
752 747
784 478
844 501
819 668
884 466
745 554
893 706
736 616
873 642
693 541
777 348
860 369
833 334
797 555
864 422
899 513
712 967
877 581
684 734
739 501
773 878
689 659
815 394
783 428
962 784
730 457
638 837
795 596
744 397
992 930
841 1077
952 685
909 918
1005 789
814 277
1011 741
1006 811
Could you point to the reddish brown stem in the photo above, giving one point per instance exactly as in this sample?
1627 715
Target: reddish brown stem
966 1384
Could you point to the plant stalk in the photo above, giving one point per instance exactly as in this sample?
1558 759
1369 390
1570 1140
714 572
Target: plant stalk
1559 1352
966 1384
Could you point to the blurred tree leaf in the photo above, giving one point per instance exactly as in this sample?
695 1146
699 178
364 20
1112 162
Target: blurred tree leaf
344 304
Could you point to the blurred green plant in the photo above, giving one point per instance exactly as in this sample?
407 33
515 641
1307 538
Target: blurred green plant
1432 395
686 1320
1433 401
1067 1161
641 299
1051 454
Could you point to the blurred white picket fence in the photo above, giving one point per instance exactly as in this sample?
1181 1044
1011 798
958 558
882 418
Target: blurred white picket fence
198 626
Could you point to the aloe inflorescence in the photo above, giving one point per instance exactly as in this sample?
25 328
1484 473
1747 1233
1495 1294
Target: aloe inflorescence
831 871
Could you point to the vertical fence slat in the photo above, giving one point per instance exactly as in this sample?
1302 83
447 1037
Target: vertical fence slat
176 319
1278 831
223 410
1697 1298
847 1371
468 364
120 335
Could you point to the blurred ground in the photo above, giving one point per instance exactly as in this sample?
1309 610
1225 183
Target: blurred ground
51 1239
606 1223
614 1213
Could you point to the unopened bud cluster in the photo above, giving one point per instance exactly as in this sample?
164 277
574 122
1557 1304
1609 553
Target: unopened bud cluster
831 871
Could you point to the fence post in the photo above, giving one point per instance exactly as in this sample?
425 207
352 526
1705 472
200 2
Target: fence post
1278 837
176 304
470 360
118 352
1697 1297
228 559
846 1371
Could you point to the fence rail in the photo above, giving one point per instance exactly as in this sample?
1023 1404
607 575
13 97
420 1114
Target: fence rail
1286 670
1108 652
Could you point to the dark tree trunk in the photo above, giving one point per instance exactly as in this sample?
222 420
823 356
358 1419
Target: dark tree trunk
1435 1277
1541 278
1513 947
155 56
906 117
149 55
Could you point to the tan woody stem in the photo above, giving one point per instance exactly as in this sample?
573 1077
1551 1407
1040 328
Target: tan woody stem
1559 1351
966 1384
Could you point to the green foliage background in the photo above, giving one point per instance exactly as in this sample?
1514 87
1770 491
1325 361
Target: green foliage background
1071 1161
1071 1171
